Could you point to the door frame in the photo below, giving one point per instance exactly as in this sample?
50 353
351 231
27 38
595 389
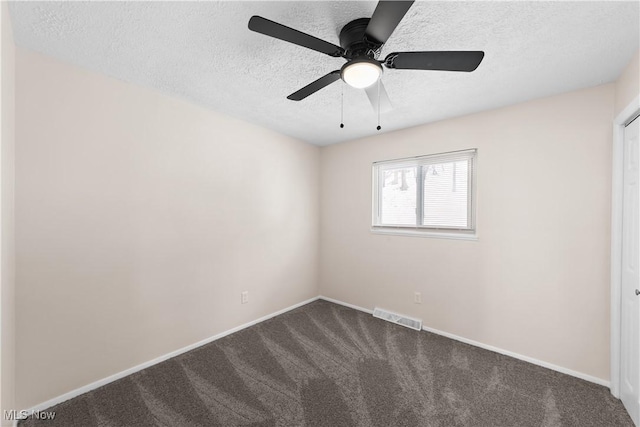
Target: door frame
629 112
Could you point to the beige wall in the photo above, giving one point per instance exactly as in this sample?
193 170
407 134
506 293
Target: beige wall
628 84
140 219
536 282
7 249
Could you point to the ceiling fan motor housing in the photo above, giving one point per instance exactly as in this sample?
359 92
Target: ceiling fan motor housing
355 43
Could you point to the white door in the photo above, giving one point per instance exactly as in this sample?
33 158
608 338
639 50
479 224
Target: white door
630 299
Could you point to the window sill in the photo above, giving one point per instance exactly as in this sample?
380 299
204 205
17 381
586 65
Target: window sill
429 234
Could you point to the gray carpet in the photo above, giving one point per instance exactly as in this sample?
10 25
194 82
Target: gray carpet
328 365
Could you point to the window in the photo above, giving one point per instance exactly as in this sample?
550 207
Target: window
427 195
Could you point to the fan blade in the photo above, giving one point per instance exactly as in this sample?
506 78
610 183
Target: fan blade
313 87
442 61
279 31
386 18
385 102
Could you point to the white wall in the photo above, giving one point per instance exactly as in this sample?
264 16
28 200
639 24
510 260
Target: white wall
139 221
537 280
7 248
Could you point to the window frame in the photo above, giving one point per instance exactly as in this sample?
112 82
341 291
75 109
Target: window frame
464 233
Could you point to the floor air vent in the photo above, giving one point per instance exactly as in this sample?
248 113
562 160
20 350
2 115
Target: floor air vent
399 319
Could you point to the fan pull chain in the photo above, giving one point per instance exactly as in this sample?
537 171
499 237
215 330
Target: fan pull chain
342 105
379 127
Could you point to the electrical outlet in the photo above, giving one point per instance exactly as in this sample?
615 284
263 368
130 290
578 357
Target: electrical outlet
417 298
244 297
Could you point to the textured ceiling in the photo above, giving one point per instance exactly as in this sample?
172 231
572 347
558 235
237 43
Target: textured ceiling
204 52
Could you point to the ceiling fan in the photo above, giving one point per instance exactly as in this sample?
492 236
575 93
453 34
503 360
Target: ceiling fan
361 41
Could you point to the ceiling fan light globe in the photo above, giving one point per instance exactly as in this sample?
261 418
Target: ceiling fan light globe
361 74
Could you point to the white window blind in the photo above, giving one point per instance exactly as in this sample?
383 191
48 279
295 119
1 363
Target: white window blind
426 193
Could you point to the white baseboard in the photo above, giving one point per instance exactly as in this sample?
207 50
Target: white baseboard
81 390
84 389
346 304
532 360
